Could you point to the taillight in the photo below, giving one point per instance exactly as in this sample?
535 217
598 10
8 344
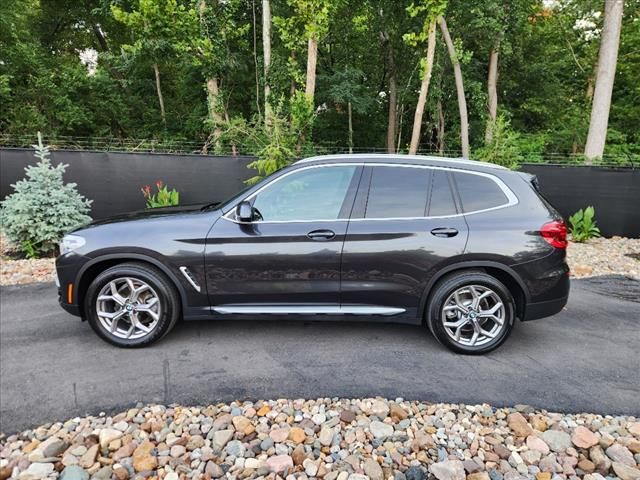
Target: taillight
555 233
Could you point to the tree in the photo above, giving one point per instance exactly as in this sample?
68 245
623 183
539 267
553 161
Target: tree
607 60
266 51
432 9
462 102
161 30
346 87
315 16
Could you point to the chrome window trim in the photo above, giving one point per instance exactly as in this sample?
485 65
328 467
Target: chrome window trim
511 197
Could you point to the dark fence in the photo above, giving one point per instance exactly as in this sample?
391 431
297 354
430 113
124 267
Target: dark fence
614 193
113 181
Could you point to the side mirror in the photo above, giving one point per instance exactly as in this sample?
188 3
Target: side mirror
244 212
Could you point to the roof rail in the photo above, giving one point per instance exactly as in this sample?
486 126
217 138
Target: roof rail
382 156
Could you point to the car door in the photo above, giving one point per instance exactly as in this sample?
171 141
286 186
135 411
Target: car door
287 260
405 224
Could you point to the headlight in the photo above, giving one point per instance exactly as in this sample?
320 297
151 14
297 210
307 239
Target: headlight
70 243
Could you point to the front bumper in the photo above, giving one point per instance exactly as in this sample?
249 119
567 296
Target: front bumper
67 272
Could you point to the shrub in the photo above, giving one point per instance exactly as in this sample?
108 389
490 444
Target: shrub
162 198
42 208
583 225
503 149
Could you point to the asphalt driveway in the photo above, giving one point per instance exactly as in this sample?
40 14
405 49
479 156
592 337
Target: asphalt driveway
53 367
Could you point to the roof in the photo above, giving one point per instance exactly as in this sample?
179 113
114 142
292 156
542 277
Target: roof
399 158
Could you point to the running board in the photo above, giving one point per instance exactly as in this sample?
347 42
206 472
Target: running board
308 310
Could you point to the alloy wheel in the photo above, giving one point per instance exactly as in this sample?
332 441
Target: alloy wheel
473 315
128 308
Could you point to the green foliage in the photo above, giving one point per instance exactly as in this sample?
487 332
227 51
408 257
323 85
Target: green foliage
161 28
42 208
503 149
547 53
275 145
163 196
583 225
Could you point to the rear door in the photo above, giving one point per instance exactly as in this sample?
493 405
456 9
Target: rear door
404 225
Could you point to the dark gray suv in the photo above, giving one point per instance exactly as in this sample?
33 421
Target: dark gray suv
463 247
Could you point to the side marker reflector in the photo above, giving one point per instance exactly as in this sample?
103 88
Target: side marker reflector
70 293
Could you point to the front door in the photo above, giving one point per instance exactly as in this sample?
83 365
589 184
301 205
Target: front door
287 260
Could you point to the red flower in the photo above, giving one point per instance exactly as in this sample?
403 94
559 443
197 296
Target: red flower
159 184
146 190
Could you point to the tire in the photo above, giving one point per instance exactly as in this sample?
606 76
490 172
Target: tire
454 321
153 302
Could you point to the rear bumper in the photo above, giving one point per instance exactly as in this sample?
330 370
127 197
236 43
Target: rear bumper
534 311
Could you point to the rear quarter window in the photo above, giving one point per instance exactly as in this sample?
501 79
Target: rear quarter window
478 192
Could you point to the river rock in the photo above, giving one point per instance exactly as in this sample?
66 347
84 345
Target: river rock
557 440
381 430
448 470
584 438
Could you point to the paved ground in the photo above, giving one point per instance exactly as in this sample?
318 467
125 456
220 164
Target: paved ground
53 367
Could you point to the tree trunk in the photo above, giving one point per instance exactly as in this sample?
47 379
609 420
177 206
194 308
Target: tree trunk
393 94
100 37
607 59
312 60
349 110
213 94
462 103
255 57
492 93
266 49
424 90
400 125
159 91
440 127
234 148
292 85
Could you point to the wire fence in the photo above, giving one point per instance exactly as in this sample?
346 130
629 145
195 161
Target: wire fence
181 146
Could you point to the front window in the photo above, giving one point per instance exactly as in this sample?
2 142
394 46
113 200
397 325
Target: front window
305 195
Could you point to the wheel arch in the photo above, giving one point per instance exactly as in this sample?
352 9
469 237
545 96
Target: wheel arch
502 272
94 267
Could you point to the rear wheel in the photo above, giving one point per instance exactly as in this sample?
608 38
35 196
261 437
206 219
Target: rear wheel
132 305
471 312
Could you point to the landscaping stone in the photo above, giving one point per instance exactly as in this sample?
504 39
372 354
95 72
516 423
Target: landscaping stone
416 441
557 440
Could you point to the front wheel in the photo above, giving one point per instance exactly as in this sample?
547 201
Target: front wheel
132 305
471 312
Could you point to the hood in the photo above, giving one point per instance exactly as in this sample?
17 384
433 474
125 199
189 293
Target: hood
149 213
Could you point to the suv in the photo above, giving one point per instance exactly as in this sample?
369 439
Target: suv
464 247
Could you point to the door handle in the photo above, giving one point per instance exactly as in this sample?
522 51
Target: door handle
444 232
321 234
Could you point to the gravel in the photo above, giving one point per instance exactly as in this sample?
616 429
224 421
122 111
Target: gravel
419 441
19 272
600 256
605 256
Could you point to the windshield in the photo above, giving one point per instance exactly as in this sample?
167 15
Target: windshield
228 200
236 196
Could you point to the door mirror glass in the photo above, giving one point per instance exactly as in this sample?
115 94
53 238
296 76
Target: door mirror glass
244 212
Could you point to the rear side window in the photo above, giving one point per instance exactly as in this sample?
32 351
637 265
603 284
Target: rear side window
442 202
478 192
397 192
